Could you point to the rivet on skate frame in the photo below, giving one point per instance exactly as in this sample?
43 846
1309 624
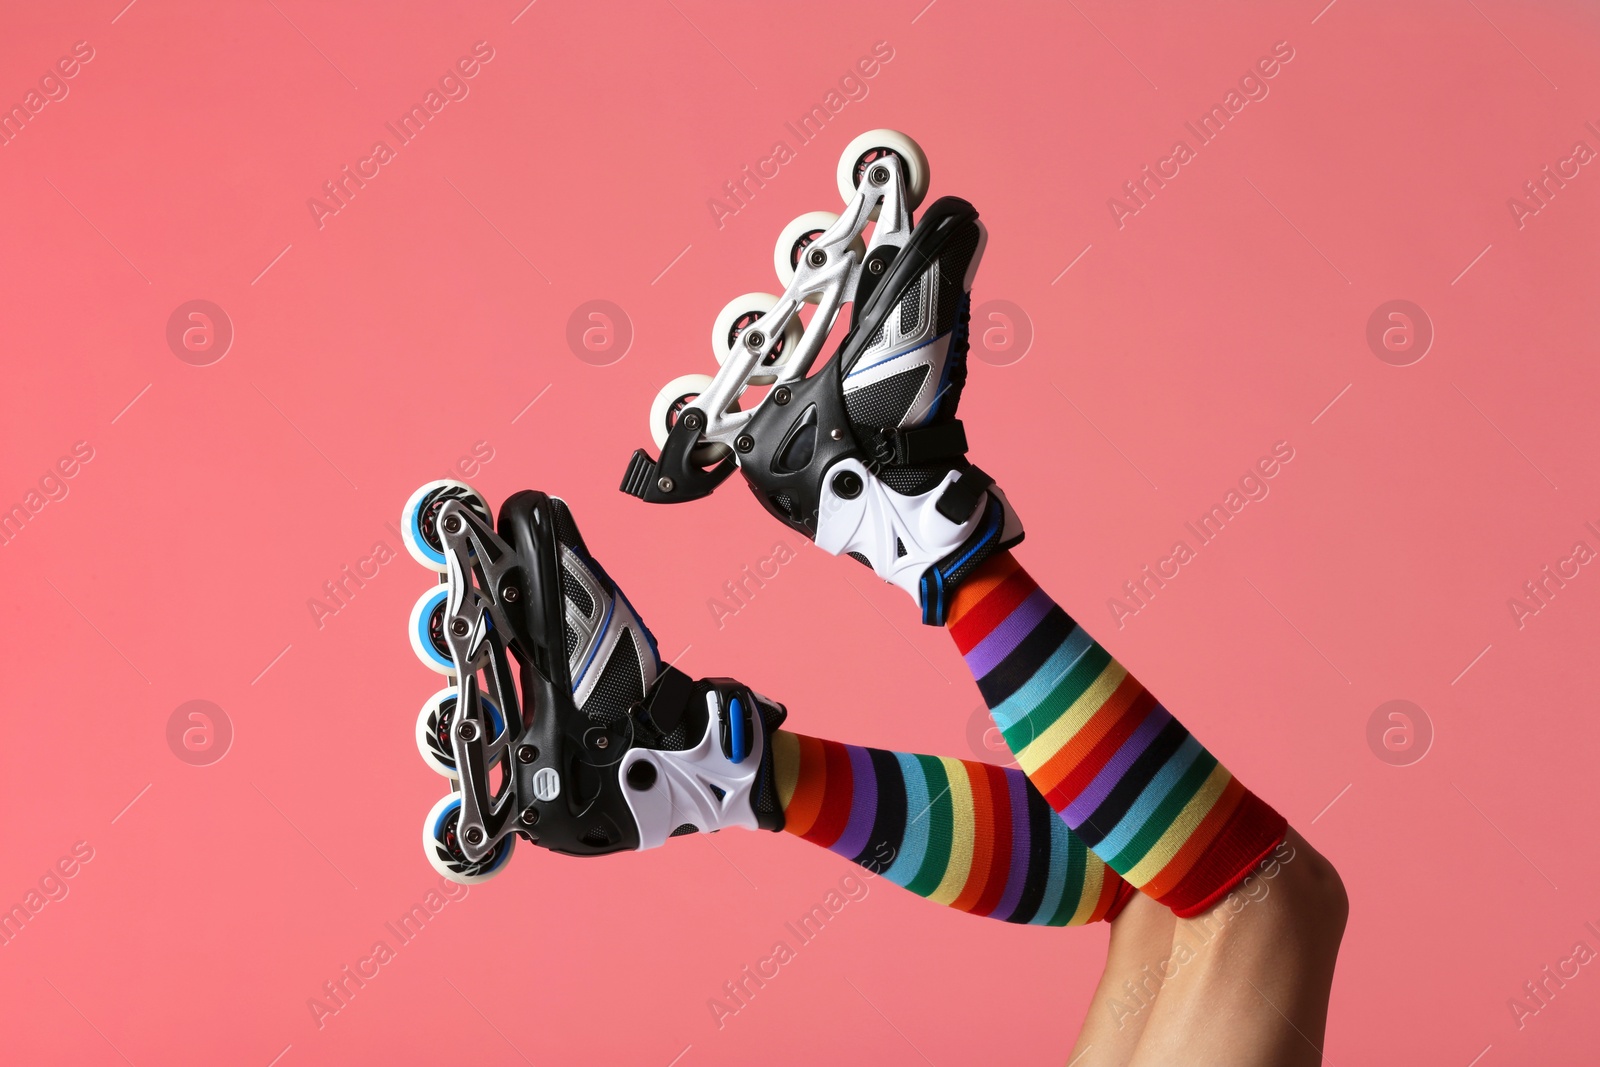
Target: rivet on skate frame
816 257
459 627
693 420
744 442
473 835
837 434
641 776
529 816
601 741
527 753
875 266
664 484
780 395
467 731
510 593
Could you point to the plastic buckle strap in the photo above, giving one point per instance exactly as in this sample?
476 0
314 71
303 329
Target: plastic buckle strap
920 444
958 502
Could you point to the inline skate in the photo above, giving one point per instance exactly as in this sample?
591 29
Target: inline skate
560 724
865 456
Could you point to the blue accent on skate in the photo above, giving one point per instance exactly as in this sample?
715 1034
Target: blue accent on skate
957 353
424 641
897 355
737 741
932 594
428 550
611 607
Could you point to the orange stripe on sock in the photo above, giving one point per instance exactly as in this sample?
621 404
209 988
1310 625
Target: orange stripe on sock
1000 868
812 776
991 573
985 616
983 804
1183 861
1086 753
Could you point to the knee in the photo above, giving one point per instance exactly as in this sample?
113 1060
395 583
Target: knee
1313 895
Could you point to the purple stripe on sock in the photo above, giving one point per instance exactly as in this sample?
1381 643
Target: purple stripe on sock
863 805
999 642
1021 846
1086 802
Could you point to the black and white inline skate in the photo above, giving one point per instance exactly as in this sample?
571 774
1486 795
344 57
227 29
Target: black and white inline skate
560 723
865 456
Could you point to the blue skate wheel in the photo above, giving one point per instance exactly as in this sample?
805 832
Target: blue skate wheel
444 853
418 520
427 630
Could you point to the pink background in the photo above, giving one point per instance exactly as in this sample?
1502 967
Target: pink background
370 354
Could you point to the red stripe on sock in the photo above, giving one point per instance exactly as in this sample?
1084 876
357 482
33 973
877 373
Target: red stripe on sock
1130 705
1250 834
1000 867
836 797
984 804
993 609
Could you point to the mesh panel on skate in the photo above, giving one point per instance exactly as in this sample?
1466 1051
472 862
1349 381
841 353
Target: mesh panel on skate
784 501
884 403
571 638
620 685
954 259
686 828
573 590
911 480
861 559
595 836
911 305
566 528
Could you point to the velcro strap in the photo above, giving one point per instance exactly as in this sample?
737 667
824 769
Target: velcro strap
920 444
668 697
958 502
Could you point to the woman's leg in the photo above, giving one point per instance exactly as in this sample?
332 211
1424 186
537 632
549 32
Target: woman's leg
1138 956
1124 774
1251 976
968 835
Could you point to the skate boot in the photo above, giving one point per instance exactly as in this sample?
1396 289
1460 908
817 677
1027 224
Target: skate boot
560 723
866 456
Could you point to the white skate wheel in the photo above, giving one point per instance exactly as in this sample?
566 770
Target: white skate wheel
435 721
418 521
742 313
796 238
439 845
676 395
427 630
873 145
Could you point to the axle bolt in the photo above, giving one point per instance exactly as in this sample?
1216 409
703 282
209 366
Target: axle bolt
817 257
467 731
459 627
473 835
754 339
452 524
878 175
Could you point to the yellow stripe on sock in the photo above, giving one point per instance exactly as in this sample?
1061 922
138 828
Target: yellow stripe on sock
959 868
1182 827
1089 897
1058 734
786 765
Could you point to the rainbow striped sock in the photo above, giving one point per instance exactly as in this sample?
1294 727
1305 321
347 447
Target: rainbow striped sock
967 835
1124 774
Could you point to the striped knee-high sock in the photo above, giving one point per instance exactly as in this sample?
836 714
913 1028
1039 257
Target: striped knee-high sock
1135 785
967 835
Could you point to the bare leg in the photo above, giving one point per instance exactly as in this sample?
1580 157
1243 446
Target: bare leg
1250 978
1141 940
